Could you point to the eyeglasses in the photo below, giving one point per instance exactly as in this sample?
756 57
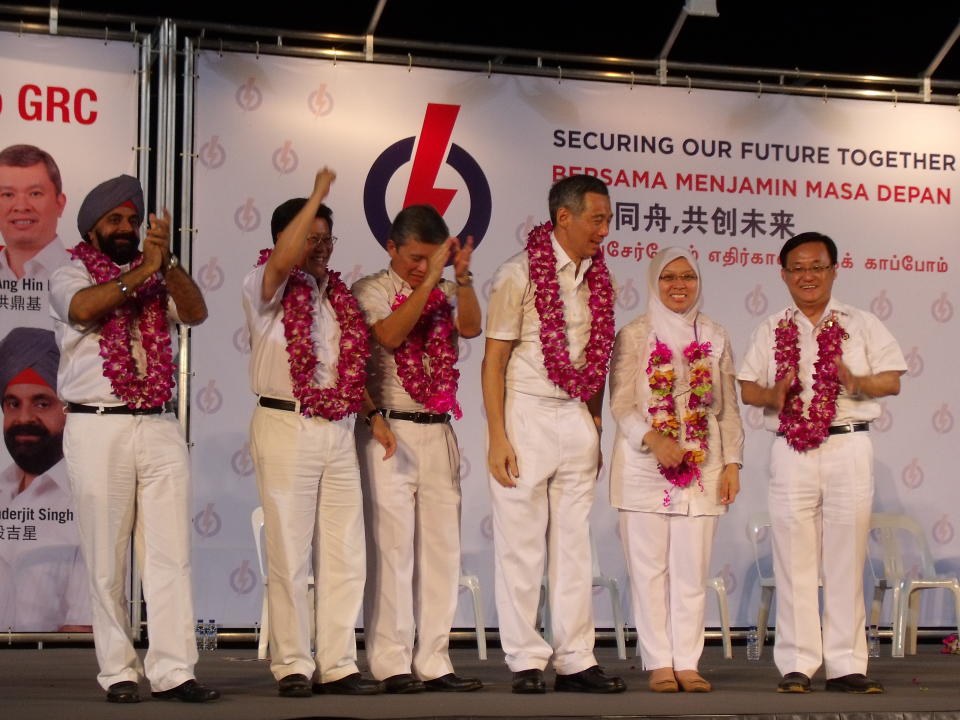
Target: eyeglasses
330 240
813 270
686 277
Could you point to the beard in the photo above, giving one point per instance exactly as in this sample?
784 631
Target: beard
33 456
120 252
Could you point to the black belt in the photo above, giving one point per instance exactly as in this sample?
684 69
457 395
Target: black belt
277 404
114 409
843 429
422 418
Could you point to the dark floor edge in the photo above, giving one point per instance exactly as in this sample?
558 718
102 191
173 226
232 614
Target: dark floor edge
853 715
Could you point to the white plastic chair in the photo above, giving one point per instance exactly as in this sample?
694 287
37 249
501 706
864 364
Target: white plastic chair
890 530
720 588
256 522
599 580
759 525
472 583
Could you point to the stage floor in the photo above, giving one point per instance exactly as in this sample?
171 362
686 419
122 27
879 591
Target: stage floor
60 683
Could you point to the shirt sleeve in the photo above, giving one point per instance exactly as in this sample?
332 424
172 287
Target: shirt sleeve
66 282
728 419
252 284
374 299
625 368
883 350
756 362
505 307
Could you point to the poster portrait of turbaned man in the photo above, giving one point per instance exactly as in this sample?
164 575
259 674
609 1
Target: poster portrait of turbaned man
43 579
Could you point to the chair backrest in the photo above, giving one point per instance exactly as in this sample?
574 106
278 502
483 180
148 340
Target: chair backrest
256 523
890 531
758 528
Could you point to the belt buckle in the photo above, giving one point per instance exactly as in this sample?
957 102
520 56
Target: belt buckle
421 417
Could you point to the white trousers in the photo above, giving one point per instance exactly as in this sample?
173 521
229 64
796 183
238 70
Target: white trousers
545 520
131 473
820 503
668 557
412 506
309 484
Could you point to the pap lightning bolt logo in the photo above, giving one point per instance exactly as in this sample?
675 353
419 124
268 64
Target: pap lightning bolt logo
434 137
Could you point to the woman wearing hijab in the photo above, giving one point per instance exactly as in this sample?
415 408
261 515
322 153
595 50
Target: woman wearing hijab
676 463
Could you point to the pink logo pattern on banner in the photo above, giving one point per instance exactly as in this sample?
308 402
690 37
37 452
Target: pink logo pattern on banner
912 475
247 217
486 289
885 421
212 154
209 398
762 534
628 297
914 362
248 95
943 530
942 309
241 340
351 277
881 306
523 229
729 579
242 579
210 277
285 159
242 462
486 527
207 522
464 464
943 420
756 301
754 416
320 101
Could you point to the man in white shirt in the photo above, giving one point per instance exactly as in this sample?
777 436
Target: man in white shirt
821 484
43 579
412 500
31 203
544 438
301 441
115 311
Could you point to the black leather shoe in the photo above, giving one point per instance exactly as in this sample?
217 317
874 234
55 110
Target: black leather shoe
794 682
295 685
190 692
529 682
856 683
402 684
452 682
591 680
353 684
123 692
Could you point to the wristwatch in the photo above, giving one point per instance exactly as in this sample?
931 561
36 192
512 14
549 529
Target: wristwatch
122 285
172 263
369 418
468 279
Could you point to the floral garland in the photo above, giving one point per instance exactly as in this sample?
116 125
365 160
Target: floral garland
346 396
149 306
582 383
431 338
663 409
806 433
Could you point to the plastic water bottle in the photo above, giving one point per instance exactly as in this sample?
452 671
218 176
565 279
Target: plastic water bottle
753 644
211 635
873 642
201 635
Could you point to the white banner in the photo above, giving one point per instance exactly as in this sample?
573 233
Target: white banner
730 175
74 103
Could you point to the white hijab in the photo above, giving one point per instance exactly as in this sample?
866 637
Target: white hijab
675 329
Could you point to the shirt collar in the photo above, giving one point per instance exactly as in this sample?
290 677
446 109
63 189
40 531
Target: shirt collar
564 261
399 284
53 255
833 306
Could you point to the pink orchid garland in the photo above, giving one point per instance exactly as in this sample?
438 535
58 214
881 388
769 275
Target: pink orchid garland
582 383
663 409
148 305
806 433
430 338
346 396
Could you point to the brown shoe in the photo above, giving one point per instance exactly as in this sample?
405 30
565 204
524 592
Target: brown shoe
662 680
692 681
